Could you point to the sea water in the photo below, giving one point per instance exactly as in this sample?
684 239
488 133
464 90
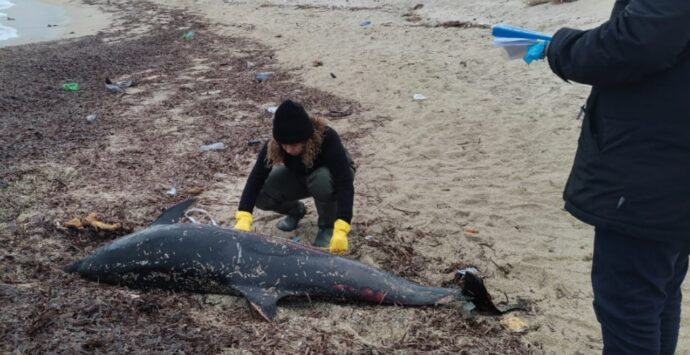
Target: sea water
6 32
32 21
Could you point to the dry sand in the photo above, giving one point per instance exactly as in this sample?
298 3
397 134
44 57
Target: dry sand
490 148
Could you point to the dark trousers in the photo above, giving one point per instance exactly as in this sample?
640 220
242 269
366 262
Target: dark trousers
637 292
283 189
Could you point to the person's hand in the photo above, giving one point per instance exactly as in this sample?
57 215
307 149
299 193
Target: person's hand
536 51
338 243
244 221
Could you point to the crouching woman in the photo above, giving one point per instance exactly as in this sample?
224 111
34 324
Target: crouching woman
304 159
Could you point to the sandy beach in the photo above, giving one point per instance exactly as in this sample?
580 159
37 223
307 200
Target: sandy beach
488 150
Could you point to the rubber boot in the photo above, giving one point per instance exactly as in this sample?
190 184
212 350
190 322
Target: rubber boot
323 237
289 223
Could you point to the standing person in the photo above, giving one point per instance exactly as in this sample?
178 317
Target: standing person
304 159
631 174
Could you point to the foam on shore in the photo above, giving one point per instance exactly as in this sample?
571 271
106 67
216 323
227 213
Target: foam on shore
29 21
6 32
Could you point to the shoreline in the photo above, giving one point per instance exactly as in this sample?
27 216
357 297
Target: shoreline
49 20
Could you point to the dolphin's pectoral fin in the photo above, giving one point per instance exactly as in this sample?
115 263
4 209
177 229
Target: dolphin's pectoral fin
174 213
262 301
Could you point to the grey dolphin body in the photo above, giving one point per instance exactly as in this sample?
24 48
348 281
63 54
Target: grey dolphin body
210 259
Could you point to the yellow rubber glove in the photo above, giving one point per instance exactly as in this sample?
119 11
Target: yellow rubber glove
339 239
244 221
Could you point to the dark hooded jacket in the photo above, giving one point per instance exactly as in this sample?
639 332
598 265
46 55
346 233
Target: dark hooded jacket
332 155
632 167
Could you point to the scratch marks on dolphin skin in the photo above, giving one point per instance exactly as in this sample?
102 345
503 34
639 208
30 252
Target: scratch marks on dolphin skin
189 258
239 253
259 271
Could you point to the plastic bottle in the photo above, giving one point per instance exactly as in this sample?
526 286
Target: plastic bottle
70 86
214 146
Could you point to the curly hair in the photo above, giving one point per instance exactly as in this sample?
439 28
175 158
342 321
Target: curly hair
312 146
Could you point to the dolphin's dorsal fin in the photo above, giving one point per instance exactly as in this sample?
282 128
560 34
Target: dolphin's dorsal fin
261 300
174 213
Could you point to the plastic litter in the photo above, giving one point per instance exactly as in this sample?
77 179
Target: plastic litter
118 86
507 31
515 40
202 212
113 88
214 146
262 76
91 118
272 109
124 83
365 24
172 192
369 238
418 97
70 86
189 35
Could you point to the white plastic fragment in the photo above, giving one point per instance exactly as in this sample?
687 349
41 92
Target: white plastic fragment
214 146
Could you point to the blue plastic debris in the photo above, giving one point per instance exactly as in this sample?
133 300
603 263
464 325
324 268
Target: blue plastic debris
188 35
262 76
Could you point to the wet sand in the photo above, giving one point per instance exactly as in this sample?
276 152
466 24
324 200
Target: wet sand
46 20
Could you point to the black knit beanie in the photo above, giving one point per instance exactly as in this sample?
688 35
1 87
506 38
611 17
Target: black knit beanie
291 123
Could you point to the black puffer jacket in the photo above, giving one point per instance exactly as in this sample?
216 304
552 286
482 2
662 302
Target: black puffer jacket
332 155
632 167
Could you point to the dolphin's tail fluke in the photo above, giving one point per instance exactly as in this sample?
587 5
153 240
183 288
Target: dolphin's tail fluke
73 267
473 287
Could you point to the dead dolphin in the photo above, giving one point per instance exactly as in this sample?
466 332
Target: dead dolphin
210 259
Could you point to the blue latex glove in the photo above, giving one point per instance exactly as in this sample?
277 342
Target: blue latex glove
536 51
